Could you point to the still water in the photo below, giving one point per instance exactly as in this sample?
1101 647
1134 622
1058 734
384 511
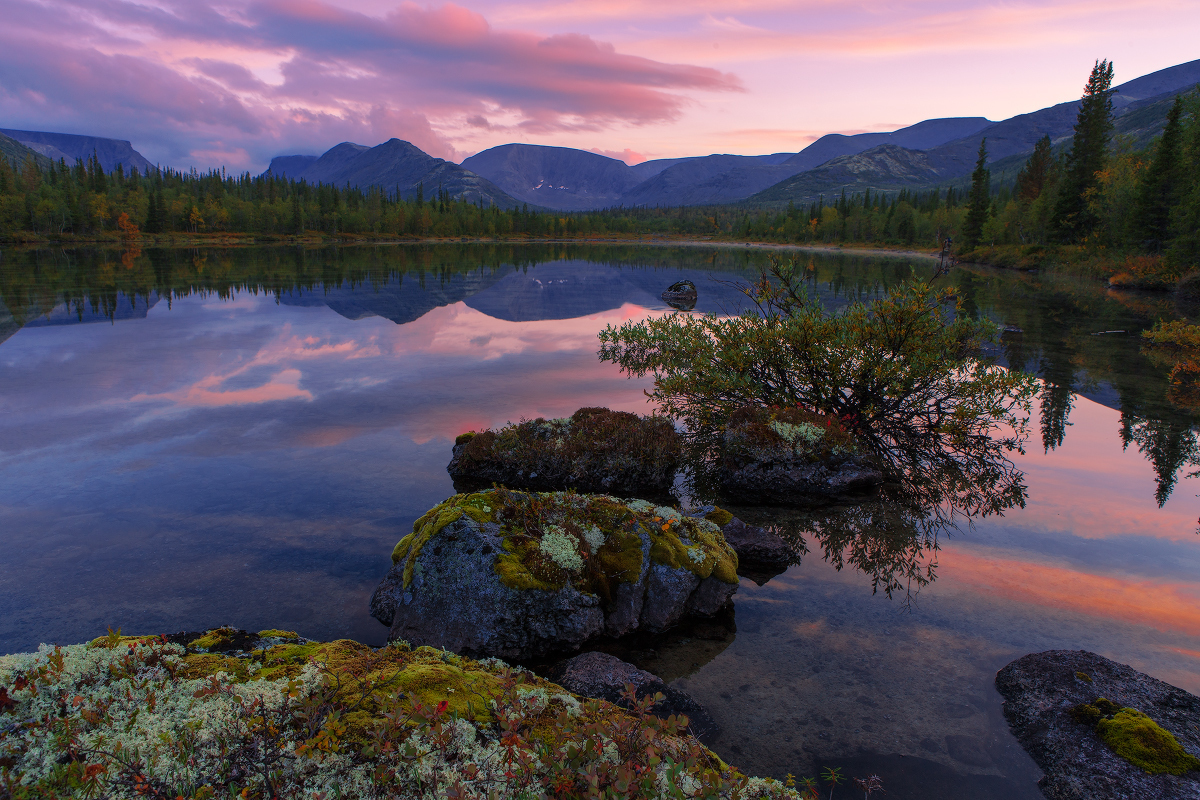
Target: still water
196 438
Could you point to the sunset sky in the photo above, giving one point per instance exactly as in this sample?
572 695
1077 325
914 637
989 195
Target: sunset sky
205 83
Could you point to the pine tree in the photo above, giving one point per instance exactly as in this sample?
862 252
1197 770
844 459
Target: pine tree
1031 180
977 206
1072 220
1161 185
1185 219
152 225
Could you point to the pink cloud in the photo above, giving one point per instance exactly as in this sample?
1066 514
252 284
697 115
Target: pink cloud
284 385
187 78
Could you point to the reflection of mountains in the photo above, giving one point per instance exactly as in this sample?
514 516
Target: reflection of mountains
402 299
554 290
99 309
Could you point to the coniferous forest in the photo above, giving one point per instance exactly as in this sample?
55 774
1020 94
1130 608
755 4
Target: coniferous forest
1131 213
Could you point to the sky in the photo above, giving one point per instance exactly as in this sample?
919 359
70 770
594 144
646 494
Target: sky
210 83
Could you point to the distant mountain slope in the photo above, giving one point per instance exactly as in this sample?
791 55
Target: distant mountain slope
289 165
886 167
17 153
69 146
1138 114
727 179
555 177
1020 133
393 165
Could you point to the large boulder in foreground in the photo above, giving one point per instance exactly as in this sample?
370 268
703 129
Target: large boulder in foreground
790 457
605 677
519 575
1068 708
593 450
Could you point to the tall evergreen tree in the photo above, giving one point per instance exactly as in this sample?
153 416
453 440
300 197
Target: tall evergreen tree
152 224
1031 180
977 206
1161 187
1185 220
1072 220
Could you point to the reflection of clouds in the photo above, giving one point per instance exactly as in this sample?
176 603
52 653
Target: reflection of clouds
1093 488
1162 604
283 385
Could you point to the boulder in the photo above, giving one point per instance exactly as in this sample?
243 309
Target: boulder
605 677
519 575
681 295
791 457
594 450
1055 701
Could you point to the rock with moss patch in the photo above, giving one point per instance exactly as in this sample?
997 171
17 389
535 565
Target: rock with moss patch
520 575
791 457
762 554
1100 729
605 677
594 450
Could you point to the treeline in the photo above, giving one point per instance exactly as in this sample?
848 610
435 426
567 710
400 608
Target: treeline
1139 207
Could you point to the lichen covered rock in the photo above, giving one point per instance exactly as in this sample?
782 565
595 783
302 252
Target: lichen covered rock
593 450
772 456
605 677
199 715
521 574
1101 730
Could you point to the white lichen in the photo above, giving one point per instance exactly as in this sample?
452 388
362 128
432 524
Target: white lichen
562 548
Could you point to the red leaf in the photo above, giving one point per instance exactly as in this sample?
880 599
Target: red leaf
6 702
442 706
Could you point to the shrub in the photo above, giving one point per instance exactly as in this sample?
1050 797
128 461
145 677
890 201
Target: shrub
595 449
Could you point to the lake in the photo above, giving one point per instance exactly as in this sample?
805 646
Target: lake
239 436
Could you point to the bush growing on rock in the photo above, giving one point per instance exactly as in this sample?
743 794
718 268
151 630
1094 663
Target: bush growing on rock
594 450
144 717
901 373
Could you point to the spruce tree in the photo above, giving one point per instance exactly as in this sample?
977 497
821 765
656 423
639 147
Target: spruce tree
977 206
152 225
1160 185
1088 156
1184 251
1031 180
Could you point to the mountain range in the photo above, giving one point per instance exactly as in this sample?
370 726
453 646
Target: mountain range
69 146
935 152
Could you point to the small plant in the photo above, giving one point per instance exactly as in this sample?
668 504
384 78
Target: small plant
833 776
869 785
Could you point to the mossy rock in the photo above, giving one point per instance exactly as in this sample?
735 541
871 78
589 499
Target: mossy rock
594 555
593 450
1136 738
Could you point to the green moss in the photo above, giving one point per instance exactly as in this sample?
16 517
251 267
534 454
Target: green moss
719 517
477 506
1083 676
213 639
1143 743
463 438
204 665
272 633
691 544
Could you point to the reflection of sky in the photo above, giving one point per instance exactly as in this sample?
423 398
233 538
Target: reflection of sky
253 463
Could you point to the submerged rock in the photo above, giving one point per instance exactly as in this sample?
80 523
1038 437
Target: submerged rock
681 295
761 553
605 677
519 575
791 457
594 450
1067 708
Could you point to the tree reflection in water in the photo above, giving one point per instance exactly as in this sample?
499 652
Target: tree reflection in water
894 535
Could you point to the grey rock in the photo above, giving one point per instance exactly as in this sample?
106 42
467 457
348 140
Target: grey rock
1040 689
758 545
605 677
797 481
670 589
457 601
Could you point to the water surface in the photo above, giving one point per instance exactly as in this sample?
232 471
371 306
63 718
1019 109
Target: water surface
195 438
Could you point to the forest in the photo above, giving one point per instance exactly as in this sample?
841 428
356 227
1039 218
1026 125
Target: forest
1131 213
